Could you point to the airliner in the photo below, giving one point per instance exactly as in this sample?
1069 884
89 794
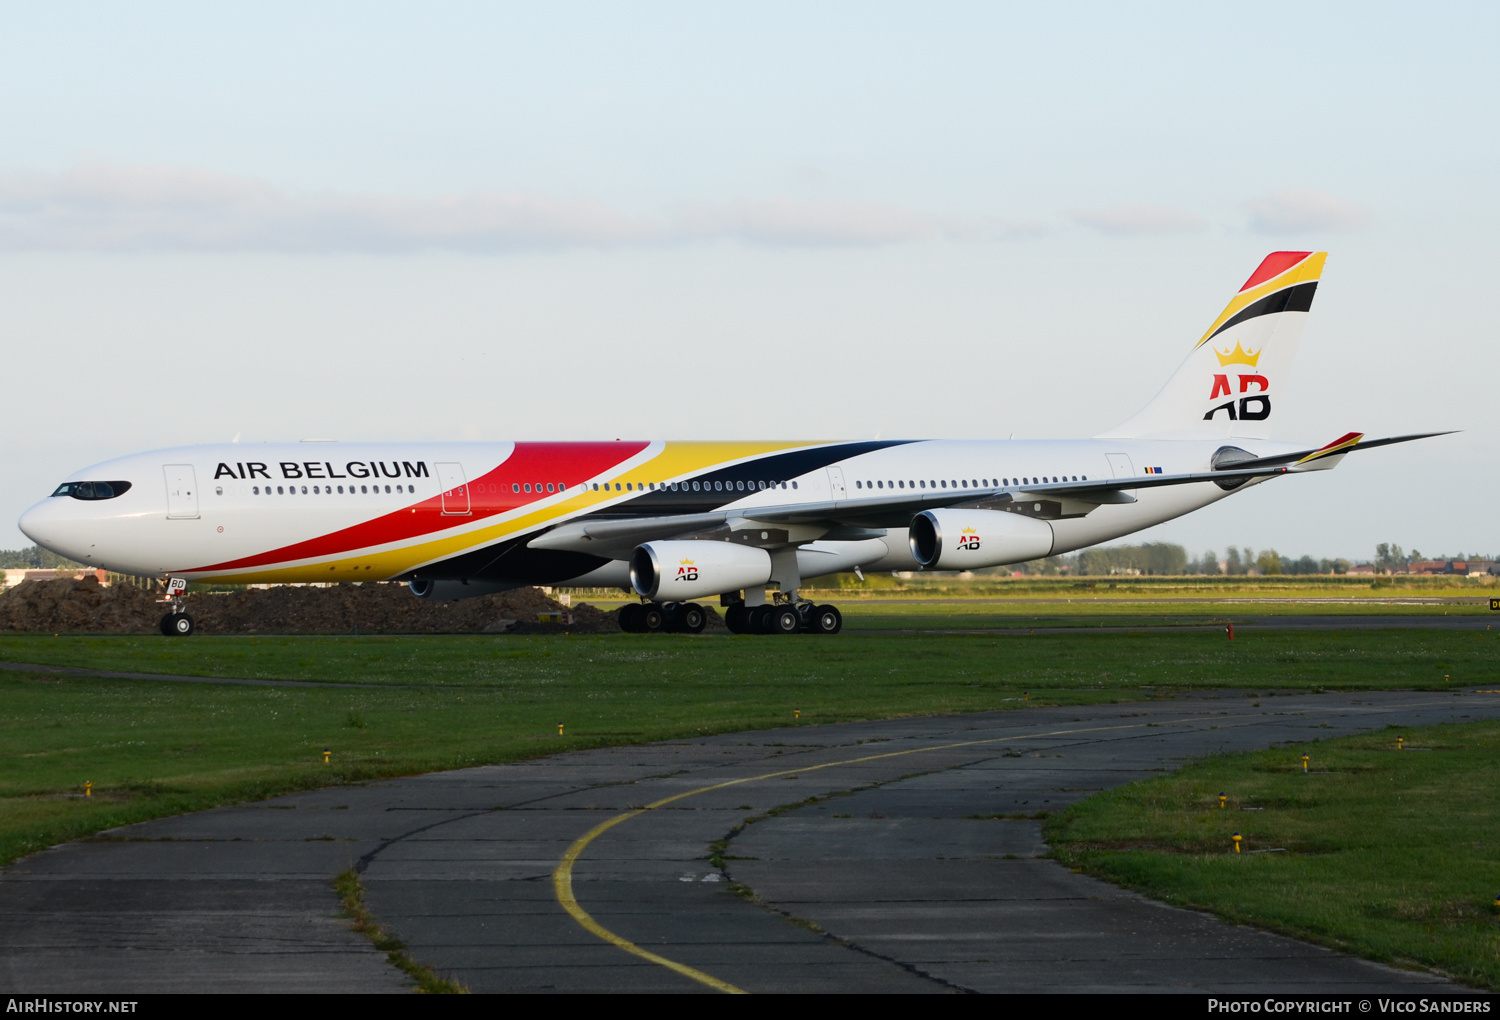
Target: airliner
677 522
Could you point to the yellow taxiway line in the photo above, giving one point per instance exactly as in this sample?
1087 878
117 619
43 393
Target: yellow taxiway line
562 878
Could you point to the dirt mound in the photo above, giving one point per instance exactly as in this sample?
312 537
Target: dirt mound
86 605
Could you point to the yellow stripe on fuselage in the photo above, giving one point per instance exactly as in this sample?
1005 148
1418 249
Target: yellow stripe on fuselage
675 461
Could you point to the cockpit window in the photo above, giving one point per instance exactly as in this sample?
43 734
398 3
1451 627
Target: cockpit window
92 490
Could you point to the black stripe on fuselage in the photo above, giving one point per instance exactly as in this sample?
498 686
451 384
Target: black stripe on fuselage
1297 298
511 560
773 467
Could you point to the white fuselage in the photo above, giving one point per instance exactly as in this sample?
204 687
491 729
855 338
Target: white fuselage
340 511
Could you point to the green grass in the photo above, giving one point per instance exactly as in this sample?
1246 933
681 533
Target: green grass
424 979
153 748
1389 855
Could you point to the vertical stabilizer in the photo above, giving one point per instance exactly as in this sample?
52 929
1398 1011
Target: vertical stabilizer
1233 382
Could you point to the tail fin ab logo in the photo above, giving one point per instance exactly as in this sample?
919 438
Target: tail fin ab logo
1256 405
968 541
687 570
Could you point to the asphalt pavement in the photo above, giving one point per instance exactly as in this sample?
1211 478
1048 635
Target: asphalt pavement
876 863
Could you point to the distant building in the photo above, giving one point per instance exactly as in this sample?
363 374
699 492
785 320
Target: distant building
14 576
1469 568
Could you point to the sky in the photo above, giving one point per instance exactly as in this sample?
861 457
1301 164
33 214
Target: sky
840 220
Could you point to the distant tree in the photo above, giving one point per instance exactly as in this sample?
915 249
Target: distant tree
1150 558
33 558
1388 556
1269 562
1232 564
1210 562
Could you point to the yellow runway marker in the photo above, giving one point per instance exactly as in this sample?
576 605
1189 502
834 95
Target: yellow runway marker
562 878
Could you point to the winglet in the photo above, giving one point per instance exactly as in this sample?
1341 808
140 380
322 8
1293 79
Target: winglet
1339 446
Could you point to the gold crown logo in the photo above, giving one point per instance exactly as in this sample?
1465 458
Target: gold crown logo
686 563
970 531
1238 356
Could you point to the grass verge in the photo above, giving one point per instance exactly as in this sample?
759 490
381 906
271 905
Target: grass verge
352 893
1384 853
153 748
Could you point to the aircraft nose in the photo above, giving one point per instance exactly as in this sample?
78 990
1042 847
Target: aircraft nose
47 525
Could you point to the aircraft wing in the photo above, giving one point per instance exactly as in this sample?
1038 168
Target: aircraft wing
862 517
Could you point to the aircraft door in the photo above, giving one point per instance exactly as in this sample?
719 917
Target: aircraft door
182 491
1120 466
836 483
455 489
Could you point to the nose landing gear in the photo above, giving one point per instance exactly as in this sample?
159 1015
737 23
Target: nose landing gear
177 623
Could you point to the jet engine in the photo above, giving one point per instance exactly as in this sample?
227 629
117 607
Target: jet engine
452 591
951 538
680 571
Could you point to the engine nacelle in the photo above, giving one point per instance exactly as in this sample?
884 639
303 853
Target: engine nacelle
955 539
452 591
679 571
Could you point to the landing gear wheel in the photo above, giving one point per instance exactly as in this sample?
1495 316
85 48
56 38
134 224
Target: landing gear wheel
653 619
737 618
784 620
632 618
177 625
691 618
760 620
825 620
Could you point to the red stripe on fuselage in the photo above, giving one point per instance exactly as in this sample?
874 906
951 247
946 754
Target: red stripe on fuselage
491 494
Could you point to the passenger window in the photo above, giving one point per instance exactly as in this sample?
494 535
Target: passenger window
549 486
304 490
218 490
363 489
255 490
387 489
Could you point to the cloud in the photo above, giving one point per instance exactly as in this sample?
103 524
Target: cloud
1299 209
782 221
1131 220
115 208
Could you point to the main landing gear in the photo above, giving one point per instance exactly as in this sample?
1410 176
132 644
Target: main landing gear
784 618
657 618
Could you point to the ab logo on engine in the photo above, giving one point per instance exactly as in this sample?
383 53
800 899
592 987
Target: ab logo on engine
968 541
687 570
